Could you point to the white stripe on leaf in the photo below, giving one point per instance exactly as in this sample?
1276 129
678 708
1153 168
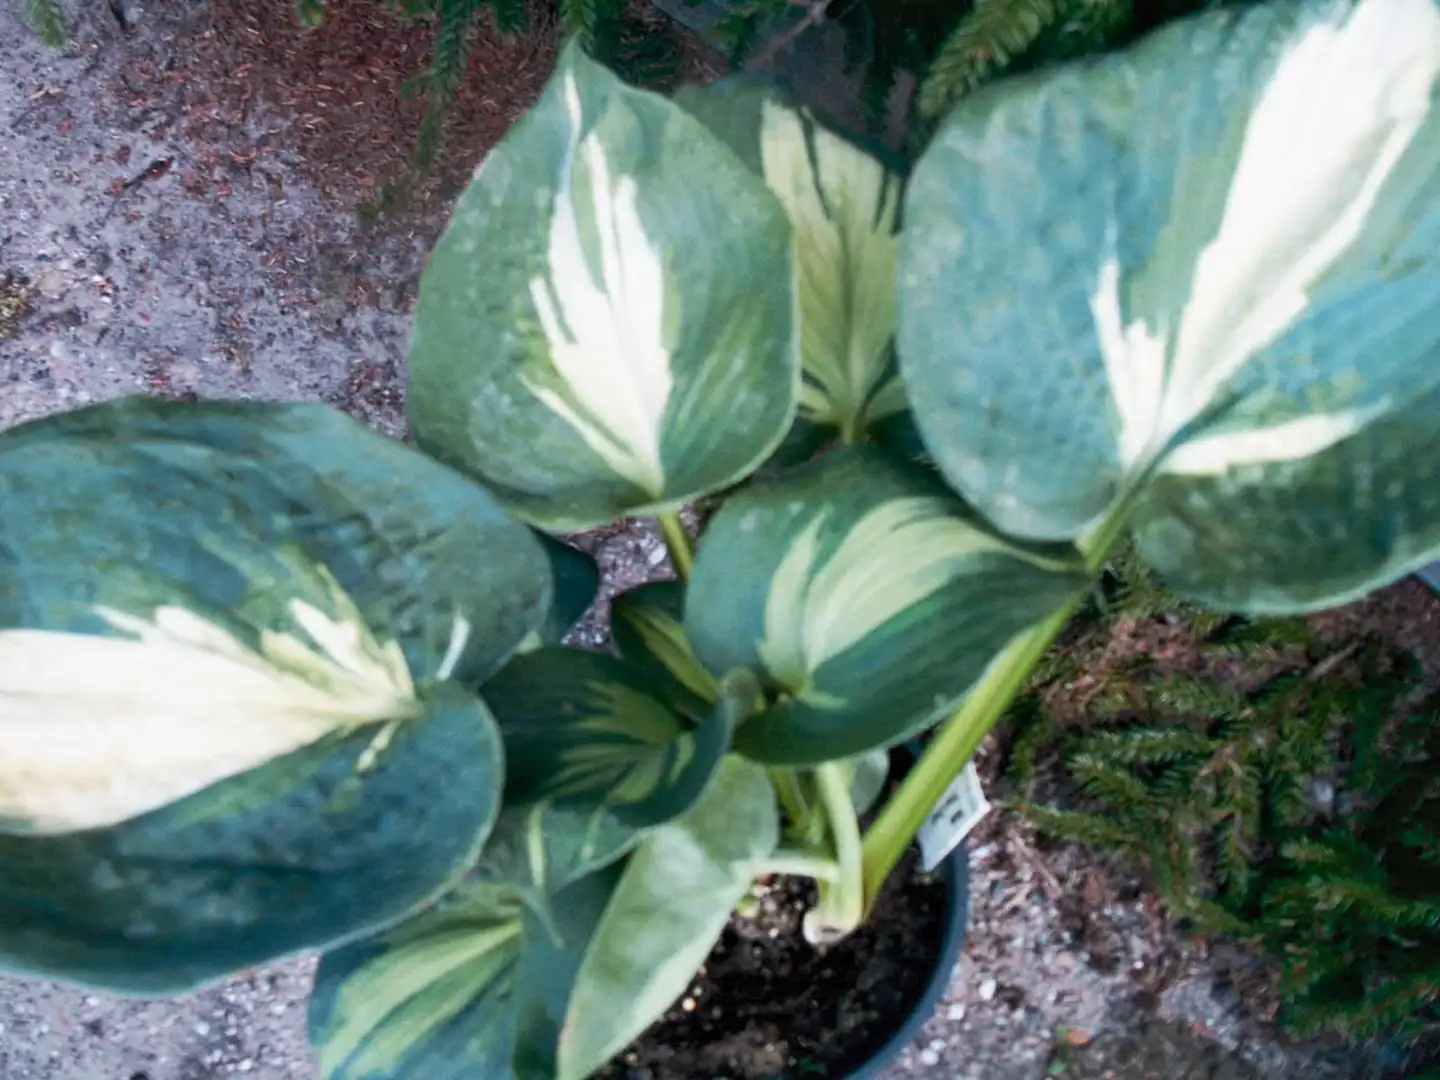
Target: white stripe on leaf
1293 440
897 555
607 335
432 970
1345 101
843 206
95 730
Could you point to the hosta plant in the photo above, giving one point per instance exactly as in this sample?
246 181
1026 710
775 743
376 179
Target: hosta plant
271 683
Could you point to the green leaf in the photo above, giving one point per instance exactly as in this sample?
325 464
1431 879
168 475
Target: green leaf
585 729
648 627
868 598
669 908
476 986
210 615
843 205
1205 272
539 848
577 583
607 326
291 856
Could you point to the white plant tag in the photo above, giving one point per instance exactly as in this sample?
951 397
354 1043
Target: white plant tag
959 810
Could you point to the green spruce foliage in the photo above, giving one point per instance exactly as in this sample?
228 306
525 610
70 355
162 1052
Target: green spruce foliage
48 18
1283 793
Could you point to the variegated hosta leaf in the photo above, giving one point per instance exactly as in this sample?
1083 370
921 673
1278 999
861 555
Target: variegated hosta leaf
608 324
312 849
868 599
843 205
476 987
200 606
1207 268
585 729
672 902
648 627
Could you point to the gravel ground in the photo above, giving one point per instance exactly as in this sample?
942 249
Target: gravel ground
119 273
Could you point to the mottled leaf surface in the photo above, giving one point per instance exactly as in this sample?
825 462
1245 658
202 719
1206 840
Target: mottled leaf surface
1204 273
608 324
299 854
211 616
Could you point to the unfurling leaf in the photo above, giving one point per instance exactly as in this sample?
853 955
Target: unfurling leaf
584 729
1202 275
648 624
843 205
867 598
608 324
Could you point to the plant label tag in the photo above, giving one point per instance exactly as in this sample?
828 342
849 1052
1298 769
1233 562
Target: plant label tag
959 810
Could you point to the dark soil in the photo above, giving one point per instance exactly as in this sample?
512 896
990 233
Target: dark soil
767 1005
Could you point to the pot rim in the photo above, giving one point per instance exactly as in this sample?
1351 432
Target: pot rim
954 871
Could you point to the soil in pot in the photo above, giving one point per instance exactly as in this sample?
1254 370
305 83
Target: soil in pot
768 1005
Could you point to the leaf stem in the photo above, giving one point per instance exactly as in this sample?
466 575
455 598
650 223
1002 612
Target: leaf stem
792 801
956 740
954 743
799 863
842 902
678 541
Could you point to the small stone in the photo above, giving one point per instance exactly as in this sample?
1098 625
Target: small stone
202 1029
51 284
245 1066
938 1045
956 1012
688 1004
929 1058
656 556
987 990
1078 1037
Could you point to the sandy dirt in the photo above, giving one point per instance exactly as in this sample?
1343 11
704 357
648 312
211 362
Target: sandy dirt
159 236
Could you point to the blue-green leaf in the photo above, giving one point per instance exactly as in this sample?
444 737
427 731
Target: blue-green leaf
1205 274
577 583
298 854
215 614
608 324
868 599
669 907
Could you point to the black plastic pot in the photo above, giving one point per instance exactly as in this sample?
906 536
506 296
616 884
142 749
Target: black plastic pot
955 873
